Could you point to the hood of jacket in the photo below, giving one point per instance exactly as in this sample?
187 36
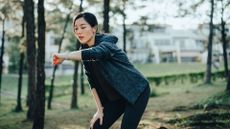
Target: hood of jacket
106 38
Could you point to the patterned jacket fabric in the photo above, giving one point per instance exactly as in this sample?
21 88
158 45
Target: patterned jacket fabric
114 66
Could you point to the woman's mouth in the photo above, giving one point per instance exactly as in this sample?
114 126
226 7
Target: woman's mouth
80 37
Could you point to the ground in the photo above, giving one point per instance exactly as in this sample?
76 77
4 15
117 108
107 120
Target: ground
172 109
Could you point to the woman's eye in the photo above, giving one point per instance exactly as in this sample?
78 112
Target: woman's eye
83 27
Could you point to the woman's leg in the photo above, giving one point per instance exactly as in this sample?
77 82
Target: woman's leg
133 113
112 111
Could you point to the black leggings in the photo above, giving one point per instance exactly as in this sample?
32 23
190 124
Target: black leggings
132 113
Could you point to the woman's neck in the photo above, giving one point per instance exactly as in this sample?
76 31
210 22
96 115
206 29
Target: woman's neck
91 42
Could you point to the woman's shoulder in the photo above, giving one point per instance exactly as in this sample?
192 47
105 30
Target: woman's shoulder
104 37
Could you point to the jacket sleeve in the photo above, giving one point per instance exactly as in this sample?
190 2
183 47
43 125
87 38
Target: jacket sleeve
99 52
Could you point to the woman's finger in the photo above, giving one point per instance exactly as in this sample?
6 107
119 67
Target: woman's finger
101 120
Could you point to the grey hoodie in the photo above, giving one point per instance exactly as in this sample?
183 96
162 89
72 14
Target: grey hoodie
115 67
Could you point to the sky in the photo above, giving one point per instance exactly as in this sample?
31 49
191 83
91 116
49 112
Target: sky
159 12
164 12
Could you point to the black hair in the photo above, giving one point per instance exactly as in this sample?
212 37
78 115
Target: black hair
89 18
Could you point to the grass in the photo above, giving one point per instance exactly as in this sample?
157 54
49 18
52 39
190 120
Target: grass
168 69
166 98
171 68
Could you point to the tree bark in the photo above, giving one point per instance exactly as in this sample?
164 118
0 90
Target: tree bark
82 71
19 104
224 41
228 84
21 64
82 80
40 89
31 52
2 53
210 39
106 16
124 25
74 102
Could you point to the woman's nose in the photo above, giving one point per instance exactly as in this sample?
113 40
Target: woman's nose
79 32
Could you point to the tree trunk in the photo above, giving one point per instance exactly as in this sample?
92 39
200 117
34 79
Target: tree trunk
31 52
21 64
74 103
19 104
124 26
2 53
40 91
228 84
82 71
209 60
55 67
106 16
82 80
224 41
23 21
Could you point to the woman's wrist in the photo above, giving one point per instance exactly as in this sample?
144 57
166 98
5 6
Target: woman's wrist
64 56
100 109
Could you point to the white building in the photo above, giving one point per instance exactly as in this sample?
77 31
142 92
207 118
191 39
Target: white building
164 44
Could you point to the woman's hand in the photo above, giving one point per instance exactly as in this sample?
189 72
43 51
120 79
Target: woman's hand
57 59
98 115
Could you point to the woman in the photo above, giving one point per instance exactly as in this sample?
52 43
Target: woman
117 87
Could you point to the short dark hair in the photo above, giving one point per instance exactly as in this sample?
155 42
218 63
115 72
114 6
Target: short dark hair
89 18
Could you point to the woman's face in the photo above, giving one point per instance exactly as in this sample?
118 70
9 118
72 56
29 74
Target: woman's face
84 32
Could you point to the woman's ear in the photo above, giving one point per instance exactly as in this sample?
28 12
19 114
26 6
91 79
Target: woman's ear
94 29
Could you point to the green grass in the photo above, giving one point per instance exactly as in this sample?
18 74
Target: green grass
172 68
62 117
168 69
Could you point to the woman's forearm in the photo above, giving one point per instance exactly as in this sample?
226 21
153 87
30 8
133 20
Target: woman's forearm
97 100
75 56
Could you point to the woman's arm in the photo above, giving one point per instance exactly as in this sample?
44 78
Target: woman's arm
102 51
97 100
75 55
99 114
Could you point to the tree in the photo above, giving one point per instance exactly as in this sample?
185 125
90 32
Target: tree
2 52
106 16
74 103
8 11
59 50
31 51
210 39
82 80
40 89
74 86
4 15
224 36
228 84
124 24
22 49
120 9
224 6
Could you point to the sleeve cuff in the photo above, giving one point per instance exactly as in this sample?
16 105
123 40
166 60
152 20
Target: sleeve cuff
86 54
